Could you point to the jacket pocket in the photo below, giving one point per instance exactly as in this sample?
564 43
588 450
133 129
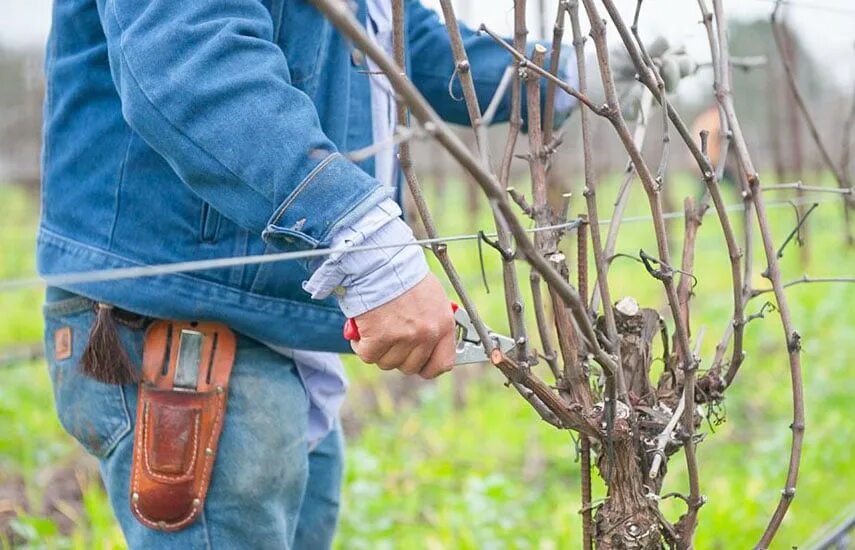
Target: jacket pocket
95 414
209 224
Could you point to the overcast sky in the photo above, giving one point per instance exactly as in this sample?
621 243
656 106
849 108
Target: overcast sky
826 26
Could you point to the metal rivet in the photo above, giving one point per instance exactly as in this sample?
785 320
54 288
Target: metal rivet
220 389
209 451
339 291
161 525
357 57
136 497
196 503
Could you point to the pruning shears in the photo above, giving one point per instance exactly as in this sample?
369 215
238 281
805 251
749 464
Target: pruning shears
470 348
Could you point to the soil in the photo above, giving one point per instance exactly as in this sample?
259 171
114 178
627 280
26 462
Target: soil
61 500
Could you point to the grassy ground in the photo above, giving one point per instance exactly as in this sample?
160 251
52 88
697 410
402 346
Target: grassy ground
463 462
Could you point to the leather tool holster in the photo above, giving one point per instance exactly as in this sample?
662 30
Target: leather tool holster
180 412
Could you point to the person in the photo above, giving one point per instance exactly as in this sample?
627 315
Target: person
710 121
178 131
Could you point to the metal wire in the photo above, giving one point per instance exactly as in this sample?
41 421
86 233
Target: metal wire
115 274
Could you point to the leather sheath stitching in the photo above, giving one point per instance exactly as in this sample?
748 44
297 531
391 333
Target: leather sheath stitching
206 470
188 473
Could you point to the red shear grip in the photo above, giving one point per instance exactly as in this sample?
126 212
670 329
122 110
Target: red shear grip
351 331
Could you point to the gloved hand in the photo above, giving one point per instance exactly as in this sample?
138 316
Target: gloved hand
673 64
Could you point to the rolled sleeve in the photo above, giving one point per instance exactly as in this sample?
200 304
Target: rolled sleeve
367 279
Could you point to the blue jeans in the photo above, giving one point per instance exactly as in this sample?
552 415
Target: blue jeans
268 490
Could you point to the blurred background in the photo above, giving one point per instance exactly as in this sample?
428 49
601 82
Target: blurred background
463 462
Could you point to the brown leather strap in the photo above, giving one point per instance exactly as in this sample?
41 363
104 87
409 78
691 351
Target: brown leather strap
178 428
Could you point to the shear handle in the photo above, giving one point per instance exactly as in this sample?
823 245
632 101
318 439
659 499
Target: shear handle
351 331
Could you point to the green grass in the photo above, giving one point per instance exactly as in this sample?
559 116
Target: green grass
465 463
33 446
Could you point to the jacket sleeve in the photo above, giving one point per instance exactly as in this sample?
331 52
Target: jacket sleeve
205 85
432 66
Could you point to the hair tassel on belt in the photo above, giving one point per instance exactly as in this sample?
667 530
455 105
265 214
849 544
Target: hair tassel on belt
105 358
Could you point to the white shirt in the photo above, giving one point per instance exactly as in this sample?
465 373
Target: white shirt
369 278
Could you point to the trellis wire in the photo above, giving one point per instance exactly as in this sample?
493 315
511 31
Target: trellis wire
115 274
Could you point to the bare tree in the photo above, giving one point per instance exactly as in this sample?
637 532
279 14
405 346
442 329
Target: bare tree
600 356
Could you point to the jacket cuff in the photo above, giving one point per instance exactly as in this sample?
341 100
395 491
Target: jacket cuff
404 271
334 195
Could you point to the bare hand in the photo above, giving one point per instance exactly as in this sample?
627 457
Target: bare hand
413 333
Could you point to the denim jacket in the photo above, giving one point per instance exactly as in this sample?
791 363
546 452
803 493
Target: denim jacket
180 131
